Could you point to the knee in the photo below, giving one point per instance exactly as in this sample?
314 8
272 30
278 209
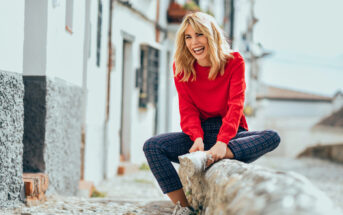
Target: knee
274 138
149 145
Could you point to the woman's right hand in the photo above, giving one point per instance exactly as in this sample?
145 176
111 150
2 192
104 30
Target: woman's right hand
198 145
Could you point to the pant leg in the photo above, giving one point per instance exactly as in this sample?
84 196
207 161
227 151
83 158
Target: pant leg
162 149
247 146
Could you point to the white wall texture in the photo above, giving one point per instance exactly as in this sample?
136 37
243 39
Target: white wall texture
96 86
12 35
64 49
142 120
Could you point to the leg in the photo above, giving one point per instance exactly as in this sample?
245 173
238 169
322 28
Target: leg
159 151
247 146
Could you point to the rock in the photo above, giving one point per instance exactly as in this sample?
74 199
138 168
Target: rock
233 187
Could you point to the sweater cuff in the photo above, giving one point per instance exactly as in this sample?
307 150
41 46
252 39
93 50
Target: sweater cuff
196 135
224 140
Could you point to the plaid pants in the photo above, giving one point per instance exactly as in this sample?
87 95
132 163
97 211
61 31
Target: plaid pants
160 150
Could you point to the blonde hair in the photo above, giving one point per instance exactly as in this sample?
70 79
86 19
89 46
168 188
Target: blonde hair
219 49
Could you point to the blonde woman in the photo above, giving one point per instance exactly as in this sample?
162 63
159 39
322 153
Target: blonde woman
210 82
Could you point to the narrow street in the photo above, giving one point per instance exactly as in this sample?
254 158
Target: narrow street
138 193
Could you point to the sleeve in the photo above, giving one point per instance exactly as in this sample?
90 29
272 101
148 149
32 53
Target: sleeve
231 120
189 114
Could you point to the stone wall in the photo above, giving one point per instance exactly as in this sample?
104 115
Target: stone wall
11 136
233 187
52 138
332 152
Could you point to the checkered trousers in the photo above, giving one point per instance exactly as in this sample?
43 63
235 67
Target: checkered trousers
163 149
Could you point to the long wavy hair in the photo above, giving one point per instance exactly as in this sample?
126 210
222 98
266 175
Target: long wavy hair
219 49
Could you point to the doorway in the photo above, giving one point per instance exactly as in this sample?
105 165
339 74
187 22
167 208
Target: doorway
125 124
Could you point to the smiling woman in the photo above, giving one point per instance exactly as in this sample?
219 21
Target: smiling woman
197 45
210 83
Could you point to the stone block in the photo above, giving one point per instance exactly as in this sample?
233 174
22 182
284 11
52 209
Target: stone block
36 184
233 187
11 138
332 152
86 188
52 136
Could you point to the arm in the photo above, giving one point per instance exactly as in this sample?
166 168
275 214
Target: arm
235 103
189 114
232 118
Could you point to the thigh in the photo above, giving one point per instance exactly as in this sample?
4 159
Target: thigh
256 135
249 145
171 145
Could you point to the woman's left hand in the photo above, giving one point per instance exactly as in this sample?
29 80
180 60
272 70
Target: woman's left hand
218 152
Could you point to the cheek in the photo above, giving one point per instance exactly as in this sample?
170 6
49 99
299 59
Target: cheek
188 47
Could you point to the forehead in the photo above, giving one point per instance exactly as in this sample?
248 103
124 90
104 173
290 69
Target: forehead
189 30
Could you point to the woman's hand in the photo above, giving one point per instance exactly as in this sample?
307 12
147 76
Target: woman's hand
218 152
198 145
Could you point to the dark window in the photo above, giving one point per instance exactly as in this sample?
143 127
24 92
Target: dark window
98 35
147 76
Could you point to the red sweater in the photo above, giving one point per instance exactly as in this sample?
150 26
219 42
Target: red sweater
204 98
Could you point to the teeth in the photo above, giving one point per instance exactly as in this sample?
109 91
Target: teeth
197 49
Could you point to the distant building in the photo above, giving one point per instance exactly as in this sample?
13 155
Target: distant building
292 114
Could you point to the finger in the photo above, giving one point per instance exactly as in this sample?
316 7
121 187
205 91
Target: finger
192 149
209 162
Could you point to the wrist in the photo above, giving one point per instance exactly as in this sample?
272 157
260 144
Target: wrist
200 138
221 143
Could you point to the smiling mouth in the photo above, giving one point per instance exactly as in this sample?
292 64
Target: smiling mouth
199 51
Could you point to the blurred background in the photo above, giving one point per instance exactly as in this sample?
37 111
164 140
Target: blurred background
85 83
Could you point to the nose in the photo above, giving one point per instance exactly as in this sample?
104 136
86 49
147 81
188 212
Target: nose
194 40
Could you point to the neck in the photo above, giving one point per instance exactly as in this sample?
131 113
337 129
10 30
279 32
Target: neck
204 63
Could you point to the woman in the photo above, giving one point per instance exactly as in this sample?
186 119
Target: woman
209 79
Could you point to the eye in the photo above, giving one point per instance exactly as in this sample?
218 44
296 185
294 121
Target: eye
187 37
200 34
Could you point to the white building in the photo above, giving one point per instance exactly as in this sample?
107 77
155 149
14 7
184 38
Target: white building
98 83
293 115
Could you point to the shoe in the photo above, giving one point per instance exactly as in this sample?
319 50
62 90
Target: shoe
179 210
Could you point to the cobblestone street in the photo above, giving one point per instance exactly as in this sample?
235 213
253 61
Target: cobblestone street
138 193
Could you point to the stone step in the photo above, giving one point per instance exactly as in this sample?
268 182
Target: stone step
36 184
127 168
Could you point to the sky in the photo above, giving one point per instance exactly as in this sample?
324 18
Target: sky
305 37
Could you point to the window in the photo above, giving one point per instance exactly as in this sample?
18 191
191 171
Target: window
69 15
147 76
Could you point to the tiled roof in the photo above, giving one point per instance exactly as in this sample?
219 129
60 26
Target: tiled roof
334 120
275 93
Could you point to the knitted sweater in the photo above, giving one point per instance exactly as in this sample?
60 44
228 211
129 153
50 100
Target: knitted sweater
204 98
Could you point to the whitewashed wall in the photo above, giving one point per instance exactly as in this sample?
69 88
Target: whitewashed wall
292 120
64 49
98 147
12 35
142 121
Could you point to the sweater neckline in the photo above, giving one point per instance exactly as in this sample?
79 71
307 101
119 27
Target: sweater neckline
198 67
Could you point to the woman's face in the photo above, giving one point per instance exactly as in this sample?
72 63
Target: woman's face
197 45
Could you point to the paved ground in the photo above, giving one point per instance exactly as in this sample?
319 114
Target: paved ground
138 193
125 195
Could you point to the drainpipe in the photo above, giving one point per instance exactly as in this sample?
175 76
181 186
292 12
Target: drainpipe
84 86
157 30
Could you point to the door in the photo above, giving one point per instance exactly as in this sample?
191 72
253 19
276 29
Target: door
127 80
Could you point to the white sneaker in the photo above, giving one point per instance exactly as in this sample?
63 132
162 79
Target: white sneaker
179 210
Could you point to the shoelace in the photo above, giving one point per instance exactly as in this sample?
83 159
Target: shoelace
179 210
